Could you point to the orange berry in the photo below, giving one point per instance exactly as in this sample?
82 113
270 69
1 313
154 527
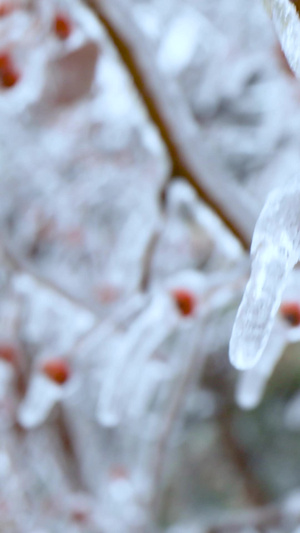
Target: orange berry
185 301
8 353
57 370
5 61
118 472
80 509
291 313
62 26
80 515
107 294
9 78
5 9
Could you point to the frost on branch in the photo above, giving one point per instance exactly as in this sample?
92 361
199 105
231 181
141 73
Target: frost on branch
287 25
275 251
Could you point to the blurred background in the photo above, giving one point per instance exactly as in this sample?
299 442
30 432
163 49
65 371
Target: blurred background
138 142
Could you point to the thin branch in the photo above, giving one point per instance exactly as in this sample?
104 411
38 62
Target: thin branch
240 460
20 264
273 515
191 372
191 155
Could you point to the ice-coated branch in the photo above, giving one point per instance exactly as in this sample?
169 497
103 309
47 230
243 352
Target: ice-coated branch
275 251
192 369
287 25
284 514
18 263
191 156
279 516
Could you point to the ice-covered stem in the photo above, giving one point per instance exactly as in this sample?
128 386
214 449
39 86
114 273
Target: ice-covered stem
20 264
275 251
192 368
252 383
287 25
187 144
239 459
284 514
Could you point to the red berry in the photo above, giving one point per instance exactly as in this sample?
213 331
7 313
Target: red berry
57 370
5 61
107 294
8 353
9 78
118 472
291 312
80 508
62 26
5 9
80 515
185 301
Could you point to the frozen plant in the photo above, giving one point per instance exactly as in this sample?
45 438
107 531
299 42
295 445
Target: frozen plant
122 237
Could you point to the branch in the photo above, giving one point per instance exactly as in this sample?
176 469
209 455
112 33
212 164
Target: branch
188 148
240 460
274 515
192 371
20 264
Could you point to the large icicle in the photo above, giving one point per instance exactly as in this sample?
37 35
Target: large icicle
287 26
275 251
252 383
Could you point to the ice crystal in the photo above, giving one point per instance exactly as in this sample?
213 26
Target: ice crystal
252 383
275 251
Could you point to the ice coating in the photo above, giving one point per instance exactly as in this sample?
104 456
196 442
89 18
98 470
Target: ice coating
252 383
41 397
275 251
287 26
159 318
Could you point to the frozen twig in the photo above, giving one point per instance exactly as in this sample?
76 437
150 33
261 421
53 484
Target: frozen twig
191 155
239 459
176 402
20 264
284 515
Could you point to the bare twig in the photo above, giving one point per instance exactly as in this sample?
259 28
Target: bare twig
191 372
20 264
189 150
268 516
239 459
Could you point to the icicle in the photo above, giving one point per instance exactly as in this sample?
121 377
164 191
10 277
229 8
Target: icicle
287 26
275 250
41 397
252 383
130 356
